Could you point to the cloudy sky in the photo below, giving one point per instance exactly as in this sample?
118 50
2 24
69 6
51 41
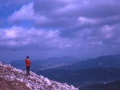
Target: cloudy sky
56 28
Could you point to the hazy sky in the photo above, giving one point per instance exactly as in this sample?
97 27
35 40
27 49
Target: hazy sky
55 28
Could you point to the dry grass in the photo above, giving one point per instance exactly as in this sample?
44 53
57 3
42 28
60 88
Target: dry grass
12 85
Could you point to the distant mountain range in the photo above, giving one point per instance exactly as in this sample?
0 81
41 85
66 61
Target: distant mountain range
102 61
47 63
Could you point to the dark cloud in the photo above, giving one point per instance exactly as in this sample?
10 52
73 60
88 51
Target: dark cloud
44 6
65 15
75 8
96 27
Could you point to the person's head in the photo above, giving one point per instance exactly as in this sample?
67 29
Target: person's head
27 57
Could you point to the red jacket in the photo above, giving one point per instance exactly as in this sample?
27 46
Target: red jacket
27 61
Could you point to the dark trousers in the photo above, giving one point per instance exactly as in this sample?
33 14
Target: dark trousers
28 69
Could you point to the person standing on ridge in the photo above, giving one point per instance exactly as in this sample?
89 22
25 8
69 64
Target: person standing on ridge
28 62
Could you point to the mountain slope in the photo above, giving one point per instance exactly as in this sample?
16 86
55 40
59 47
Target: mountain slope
108 86
90 76
12 85
29 82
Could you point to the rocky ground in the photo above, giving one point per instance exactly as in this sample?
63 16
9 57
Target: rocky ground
16 79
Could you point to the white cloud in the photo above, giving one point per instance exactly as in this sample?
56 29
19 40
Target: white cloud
67 8
25 13
97 43
107 31
84 20
10 34
19 36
